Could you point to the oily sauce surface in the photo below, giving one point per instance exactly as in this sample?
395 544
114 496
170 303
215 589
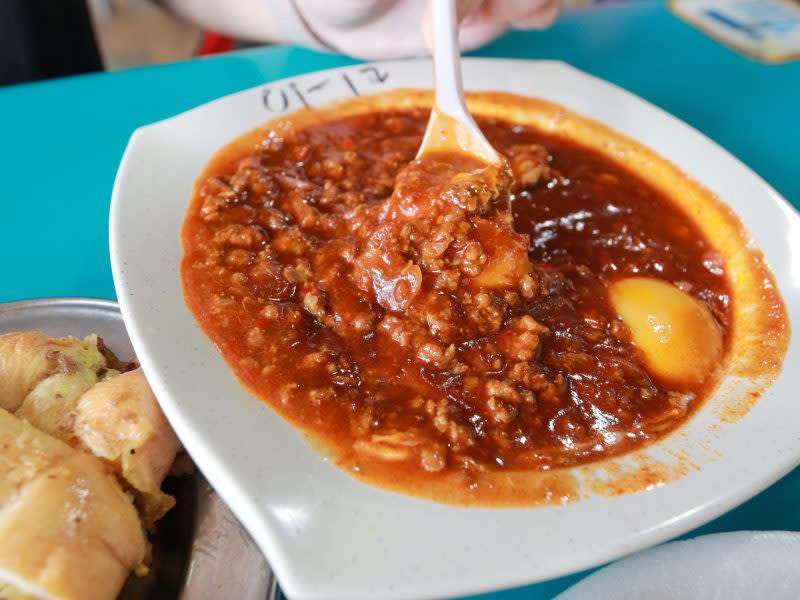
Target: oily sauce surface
435 325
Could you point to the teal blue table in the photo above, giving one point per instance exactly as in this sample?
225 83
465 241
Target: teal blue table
61 141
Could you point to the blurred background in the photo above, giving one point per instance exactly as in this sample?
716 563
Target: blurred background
136 32
139 32
42 39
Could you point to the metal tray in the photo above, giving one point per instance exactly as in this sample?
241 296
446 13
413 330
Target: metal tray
200 551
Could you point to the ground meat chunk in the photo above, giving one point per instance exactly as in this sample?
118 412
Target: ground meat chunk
250 237
529 163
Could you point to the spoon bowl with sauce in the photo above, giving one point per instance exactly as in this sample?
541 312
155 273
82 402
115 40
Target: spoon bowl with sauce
451 126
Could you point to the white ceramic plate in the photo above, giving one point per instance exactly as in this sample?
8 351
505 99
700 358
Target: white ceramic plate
329 536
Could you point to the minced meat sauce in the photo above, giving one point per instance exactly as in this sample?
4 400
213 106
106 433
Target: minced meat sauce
440 315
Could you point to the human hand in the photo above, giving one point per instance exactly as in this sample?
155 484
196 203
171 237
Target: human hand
481 21
378 29
371 29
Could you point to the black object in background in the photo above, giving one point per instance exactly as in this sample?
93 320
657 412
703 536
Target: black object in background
41 39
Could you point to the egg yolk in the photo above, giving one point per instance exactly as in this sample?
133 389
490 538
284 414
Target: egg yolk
680 339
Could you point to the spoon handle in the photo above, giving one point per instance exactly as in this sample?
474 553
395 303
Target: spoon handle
447 59
451 126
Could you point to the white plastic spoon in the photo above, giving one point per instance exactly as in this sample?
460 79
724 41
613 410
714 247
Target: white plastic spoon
451 126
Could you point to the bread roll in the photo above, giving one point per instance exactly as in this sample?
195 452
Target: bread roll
67 529
25 359
64 388
40 376
120 421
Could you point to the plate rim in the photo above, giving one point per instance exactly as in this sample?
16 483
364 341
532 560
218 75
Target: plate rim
60 301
